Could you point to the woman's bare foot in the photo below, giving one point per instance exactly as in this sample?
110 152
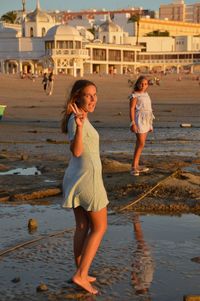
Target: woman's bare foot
91 279
85 284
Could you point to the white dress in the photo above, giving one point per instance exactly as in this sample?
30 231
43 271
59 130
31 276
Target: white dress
143 114
83 184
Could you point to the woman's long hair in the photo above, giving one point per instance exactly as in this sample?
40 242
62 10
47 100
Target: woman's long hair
138 83
74 96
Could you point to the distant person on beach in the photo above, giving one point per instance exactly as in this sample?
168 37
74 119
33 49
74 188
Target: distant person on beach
83 187
33 77
45 82
50 83
141 117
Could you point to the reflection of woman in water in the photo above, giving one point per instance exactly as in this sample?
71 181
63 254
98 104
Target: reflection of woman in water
143 265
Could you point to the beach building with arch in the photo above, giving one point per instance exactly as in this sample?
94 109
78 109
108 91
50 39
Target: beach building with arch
22 46
40 44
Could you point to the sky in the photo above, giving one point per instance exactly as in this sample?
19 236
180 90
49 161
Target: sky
76 5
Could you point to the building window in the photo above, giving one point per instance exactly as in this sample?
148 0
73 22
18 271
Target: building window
49 45
60 45
31 32
77 44
115 55
196 56
43 32
104 39
129 56
114 39
99 54
69 44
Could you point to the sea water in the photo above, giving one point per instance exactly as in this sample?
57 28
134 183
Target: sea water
162 141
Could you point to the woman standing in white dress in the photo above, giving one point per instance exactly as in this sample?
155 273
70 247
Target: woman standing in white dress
141 117
83 187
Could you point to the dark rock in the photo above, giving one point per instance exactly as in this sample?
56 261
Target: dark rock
24 157
4 196
196 259
32 224
36 194
16 280
42 287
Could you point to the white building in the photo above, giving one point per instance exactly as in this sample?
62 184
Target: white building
37 23
153 44
83 21
122 21
64 50
187 43
41 44
111 33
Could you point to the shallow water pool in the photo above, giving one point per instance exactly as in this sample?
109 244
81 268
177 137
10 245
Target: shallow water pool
142 257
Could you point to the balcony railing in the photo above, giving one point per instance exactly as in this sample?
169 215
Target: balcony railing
68 52
167 61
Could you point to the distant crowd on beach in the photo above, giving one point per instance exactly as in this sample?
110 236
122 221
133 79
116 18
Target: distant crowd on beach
154 78
47 80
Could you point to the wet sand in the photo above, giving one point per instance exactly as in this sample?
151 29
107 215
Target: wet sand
49 260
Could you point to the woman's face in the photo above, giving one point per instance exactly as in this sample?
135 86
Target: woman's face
143 85
89 99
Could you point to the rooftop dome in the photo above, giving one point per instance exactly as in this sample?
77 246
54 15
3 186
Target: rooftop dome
63 30
109 26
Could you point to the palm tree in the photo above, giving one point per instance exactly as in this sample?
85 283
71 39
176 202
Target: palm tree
9 17
136 19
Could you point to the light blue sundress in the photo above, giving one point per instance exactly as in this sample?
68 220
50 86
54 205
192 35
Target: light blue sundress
83 184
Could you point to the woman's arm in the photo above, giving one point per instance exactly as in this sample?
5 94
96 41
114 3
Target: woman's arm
132 107
76 145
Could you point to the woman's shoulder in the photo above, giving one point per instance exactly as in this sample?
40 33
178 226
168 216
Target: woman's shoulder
71 127
71 119
133 95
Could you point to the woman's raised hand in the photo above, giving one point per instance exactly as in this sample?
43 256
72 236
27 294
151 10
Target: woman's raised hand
79 115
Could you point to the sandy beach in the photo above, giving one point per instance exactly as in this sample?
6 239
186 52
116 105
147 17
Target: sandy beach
31 136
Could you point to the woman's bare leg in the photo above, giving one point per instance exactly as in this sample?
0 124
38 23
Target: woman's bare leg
98 224
81 232
80 235
140 143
